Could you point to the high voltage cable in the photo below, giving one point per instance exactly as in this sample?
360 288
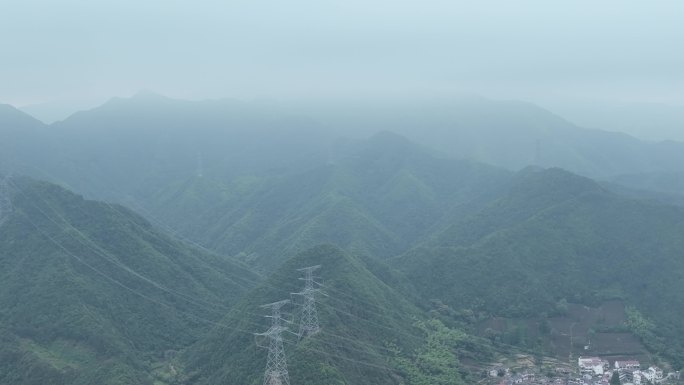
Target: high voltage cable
168 241
367 352
169 291
342 357
159 286
222 325
371 322
190 299
103 254
176 233
355 299
202 319
158 302
219 324
355 305
108 257
120 284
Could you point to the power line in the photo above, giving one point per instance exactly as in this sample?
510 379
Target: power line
213 322
113 260
393 329
85 241
100 252
272 334
276 364
252 283
247 283
116 282
308 322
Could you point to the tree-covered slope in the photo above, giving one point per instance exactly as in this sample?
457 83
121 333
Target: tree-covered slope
137 146
558 237
364 325
378 199
92 293
507 133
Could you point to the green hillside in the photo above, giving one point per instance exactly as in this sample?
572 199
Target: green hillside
379 199
558 238
370 333
91 293
213 169
506 133
138 146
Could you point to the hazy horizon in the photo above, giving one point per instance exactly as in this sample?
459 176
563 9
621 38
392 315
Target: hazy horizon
646 121
336 192
576 58
533 50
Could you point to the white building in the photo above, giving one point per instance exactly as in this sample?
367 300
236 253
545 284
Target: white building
627 365
654 374
592 365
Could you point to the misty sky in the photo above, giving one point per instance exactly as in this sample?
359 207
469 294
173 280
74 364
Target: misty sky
60 50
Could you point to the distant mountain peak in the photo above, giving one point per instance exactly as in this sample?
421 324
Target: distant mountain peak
11 117
557 182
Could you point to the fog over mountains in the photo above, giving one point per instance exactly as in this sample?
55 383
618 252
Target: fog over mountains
341 192
182 135
140 239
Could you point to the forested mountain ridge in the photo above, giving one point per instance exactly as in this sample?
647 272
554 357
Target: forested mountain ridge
576 242
149 144
479 241
544 237
382 197
91 293
370 334
507 133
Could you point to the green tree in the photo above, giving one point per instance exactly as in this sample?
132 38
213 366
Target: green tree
615 380
435 363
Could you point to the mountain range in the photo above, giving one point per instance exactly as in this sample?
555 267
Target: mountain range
433 263
92 293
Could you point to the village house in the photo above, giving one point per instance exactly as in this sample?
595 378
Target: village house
626 370
499 371
592 365
630 365
654 374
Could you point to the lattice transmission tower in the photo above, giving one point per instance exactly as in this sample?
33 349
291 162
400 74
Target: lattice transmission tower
276 364
308 322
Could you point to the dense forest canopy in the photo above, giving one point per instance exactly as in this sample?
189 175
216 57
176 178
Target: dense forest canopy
149 231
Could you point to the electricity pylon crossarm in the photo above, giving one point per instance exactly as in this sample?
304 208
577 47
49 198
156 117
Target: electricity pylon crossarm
276 365
308 322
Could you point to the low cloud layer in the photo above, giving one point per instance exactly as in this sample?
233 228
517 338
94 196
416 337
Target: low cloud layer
614 50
